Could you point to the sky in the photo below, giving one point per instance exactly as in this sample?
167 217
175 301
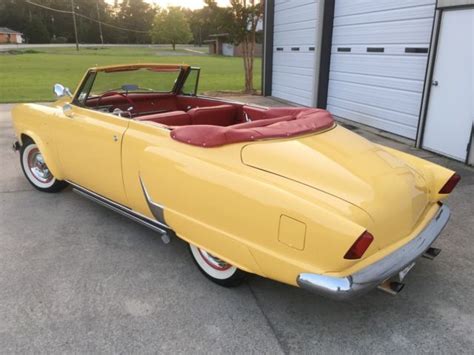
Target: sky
192 4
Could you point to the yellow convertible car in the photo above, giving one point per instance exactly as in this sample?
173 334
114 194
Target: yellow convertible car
285 193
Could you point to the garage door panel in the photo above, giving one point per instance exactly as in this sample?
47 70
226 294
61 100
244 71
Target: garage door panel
290 4
302 25
294 81
351 7
405 67
295 38
292 70
379 81
405 31
423 11
294 95
375 76
293 59
294 42
388 50
381 113
296 14
374 121
395 100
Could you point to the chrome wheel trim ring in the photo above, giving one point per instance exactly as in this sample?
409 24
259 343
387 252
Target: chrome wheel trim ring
35 168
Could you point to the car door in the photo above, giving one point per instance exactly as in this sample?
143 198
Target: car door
90 150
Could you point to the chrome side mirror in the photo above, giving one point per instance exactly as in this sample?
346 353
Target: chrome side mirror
61 91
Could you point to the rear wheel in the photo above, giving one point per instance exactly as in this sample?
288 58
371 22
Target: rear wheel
36 171
215 269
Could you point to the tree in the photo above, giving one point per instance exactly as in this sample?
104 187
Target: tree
36 32
136 15
209 20
247 15
171 26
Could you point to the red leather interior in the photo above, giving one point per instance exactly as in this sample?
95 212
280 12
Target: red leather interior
297 121
145 104
222 115
173 118
142 102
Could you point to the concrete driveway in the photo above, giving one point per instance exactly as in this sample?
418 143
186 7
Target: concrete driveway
76 277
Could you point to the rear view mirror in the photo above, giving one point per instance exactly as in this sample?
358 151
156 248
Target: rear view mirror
61 91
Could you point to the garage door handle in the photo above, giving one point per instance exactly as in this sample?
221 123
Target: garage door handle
435 83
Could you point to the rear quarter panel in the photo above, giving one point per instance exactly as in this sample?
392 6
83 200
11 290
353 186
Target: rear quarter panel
215 202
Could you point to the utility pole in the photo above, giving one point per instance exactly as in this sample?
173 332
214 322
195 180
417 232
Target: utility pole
75 25
100 23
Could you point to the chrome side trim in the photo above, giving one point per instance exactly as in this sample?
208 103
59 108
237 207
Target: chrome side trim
123 210
155 208
381 270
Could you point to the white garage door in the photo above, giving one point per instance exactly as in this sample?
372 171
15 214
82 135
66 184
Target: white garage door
378 62
294 43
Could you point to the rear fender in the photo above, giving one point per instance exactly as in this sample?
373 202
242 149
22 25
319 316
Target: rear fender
165 176
435 175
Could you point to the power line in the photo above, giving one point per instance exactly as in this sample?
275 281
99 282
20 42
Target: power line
109 25
48 8
86 17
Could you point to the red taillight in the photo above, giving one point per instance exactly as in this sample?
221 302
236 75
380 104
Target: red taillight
450 184
360 246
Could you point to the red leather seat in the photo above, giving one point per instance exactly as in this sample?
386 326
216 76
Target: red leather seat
173 118
222 115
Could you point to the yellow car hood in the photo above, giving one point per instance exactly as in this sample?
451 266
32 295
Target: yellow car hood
347 166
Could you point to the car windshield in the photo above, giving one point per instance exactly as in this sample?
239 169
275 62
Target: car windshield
135 80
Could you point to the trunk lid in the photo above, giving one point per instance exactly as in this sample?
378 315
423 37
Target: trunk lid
345 165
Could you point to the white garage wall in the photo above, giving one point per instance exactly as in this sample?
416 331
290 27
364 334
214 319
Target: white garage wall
383 90
295 27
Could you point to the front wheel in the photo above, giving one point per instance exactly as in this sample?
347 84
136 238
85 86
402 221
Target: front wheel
36 171
215 269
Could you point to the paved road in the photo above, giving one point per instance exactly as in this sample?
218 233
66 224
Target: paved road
8 47
75 277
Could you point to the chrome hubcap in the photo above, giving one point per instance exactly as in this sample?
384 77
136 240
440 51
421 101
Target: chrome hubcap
214 261
38 167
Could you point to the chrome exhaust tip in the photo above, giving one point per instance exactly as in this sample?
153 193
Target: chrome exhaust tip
431 253
391 287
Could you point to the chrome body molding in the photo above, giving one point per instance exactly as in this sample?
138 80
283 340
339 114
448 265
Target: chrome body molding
156 209
383 269
164 230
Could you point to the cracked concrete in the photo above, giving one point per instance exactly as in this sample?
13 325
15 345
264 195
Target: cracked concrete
77 278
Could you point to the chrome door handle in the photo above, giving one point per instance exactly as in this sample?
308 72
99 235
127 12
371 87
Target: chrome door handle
435 83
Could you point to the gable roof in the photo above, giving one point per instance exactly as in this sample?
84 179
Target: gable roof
8 30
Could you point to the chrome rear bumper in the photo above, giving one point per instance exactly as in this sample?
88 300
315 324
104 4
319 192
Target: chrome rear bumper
374 274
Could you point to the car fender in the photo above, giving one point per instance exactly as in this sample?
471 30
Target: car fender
435 175
29 122
159 174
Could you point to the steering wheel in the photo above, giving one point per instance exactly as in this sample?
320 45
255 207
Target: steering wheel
112 93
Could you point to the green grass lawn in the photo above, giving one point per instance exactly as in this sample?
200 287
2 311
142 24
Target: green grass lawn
28 77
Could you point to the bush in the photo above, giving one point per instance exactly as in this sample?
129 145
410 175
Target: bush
59 39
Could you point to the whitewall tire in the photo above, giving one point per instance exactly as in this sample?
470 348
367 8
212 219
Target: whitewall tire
215 269
36 171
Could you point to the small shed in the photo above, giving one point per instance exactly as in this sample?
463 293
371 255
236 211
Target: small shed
8 35
216 42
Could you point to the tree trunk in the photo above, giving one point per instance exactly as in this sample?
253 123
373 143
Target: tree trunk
174 46
248 52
